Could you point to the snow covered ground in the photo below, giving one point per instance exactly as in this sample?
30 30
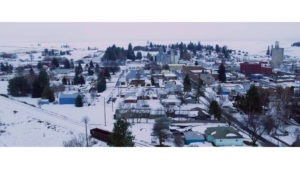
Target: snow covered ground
23 125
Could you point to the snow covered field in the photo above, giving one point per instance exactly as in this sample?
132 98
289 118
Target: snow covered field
23 125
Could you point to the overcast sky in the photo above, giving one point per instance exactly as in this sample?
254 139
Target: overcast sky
93 32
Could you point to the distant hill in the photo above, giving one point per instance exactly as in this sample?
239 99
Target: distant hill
297 44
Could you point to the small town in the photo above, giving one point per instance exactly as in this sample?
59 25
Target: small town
151 95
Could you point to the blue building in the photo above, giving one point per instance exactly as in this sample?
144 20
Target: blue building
68 98
192 137
225 92
43 101
256 77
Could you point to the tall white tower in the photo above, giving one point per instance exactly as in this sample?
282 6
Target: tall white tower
277 56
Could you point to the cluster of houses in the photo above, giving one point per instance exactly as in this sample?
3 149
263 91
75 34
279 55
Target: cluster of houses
155 92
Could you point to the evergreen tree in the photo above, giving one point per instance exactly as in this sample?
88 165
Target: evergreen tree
139 55
81 80
253 100
91 65
130 53
218 50
36 89
64 80
90 71
39 84
10 69
225 52
161 129
48 94
152 81
30 78
241 103
114 53
101 84
18 86
187 87
71 64
2 67
97 69
106 73
222 73
149 56
121 136
78 69
199 46
67 64
43 78
55 63
76 80
166 67
185 55
39 65
268 51
199 89
215 110
79 101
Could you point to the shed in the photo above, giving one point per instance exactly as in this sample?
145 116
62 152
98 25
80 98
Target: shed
100 134
43 101
68 98
192 137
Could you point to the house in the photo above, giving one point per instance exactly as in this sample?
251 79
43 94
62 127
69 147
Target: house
62 71
130 99
192 137
135 74
136 82
171 101
66 98
169 76
173 86
207 78
224 136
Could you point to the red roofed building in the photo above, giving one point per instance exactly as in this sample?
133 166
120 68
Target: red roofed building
253 68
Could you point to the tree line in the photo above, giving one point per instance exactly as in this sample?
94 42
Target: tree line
36 85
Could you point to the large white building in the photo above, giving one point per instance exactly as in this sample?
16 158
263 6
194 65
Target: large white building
277 56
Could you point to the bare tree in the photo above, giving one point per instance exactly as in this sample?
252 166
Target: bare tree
93 94
161 129
256 126
58 89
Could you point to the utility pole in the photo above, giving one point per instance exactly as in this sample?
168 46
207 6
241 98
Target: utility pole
112 106
112 101
104 113
86 120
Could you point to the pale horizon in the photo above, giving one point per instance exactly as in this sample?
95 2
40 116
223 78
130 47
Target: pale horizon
146 31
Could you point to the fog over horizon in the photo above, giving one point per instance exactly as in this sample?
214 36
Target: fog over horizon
250 36
148 31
